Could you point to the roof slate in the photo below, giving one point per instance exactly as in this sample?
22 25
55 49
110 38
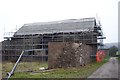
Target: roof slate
69 25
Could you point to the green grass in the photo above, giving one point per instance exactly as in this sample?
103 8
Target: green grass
22 66
81 72
119 58
106 59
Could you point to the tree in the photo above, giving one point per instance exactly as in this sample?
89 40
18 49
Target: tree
113 50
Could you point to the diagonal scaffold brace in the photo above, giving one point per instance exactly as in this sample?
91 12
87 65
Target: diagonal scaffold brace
13 69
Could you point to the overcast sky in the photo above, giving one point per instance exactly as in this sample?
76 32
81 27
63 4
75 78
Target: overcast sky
18 12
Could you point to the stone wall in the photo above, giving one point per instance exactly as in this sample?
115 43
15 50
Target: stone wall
68 54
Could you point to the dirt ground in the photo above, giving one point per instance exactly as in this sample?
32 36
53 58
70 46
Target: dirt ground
108 70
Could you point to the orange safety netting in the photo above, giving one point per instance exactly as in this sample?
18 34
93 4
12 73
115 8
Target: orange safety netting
100 55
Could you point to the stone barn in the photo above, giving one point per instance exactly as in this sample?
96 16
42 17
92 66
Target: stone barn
33 38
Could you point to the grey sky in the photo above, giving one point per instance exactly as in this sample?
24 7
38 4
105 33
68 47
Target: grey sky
18 12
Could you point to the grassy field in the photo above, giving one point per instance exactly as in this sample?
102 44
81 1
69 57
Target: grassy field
82 72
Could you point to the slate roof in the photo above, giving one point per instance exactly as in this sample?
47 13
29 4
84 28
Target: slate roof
69 25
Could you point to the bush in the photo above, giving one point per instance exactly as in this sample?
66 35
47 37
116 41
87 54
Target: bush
113 50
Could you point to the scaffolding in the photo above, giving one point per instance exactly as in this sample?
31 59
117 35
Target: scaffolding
36 45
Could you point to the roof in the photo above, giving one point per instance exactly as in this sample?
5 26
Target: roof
69 25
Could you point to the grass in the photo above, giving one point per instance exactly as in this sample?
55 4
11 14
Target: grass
81 72
22 66
119 58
